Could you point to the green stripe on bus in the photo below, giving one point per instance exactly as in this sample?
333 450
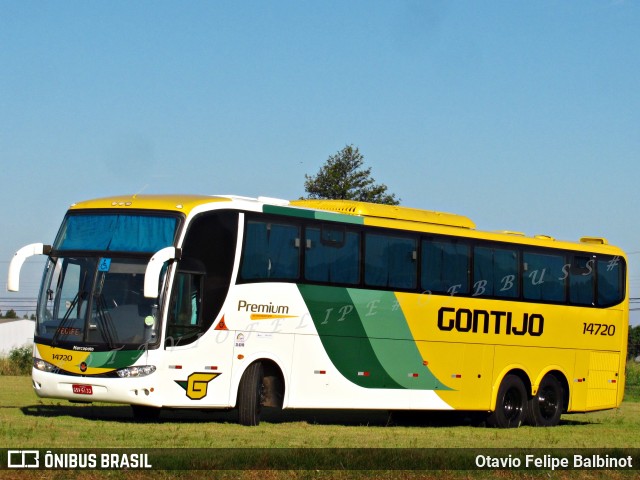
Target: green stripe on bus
367 338
391 339
312 214
343 336
114 358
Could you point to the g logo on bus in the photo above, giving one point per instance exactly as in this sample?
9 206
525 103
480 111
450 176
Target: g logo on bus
196 384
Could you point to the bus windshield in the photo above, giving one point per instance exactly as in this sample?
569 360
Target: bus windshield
116 232
97 302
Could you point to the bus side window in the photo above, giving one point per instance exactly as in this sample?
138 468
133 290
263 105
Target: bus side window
582 280
271 251
330 260
390 261
611 288
543 277
495 272
445 267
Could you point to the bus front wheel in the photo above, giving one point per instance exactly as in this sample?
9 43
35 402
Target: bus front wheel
544 409
511 404
251 395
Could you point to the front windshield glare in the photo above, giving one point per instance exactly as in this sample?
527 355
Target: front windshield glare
96 301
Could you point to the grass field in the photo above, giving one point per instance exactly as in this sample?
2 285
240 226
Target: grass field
29 422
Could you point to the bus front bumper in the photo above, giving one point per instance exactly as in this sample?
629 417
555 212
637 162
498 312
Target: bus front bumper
132 391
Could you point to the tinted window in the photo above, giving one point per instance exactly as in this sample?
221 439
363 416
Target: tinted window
390 261
116 232
271 250
610 280
581 280
445 266
495 272
332 255
543 277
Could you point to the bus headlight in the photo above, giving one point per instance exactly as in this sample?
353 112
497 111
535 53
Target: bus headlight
136 372
43 366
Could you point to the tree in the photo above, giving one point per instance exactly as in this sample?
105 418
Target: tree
343 177
11 314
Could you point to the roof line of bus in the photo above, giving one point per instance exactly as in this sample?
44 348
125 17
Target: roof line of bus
348 211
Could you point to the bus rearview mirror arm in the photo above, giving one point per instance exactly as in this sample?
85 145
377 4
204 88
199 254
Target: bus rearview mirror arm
13 277
154 267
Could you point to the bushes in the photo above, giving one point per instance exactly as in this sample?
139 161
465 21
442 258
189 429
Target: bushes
19 362
632 388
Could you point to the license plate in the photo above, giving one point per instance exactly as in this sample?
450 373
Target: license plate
83 389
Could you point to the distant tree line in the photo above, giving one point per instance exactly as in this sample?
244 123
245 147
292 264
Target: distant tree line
12 315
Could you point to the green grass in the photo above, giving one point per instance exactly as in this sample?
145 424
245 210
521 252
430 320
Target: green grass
27 421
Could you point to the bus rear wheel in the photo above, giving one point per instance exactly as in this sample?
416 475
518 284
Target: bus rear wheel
511 404
544 409
251 395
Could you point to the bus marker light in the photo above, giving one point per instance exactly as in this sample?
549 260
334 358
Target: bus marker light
175 367
413 375
320 372
456 375
363 374
425 363
240 357
210 368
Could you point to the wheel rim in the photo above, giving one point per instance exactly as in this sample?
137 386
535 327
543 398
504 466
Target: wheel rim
548 402
513 404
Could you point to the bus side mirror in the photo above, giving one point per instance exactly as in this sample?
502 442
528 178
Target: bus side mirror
154 267
13 278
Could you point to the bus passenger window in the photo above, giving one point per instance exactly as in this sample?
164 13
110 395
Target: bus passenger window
332 255
543 277
611 288
445 267
581 280
390 261
495 272
271 251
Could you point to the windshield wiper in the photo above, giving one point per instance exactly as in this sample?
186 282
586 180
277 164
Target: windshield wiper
107 329
79 296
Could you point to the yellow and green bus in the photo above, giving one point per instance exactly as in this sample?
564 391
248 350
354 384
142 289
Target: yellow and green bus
220 302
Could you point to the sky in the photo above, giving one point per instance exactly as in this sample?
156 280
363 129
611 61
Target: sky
523 116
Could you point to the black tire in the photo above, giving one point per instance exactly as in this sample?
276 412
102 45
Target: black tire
511 404
545 408
143 413
251 395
